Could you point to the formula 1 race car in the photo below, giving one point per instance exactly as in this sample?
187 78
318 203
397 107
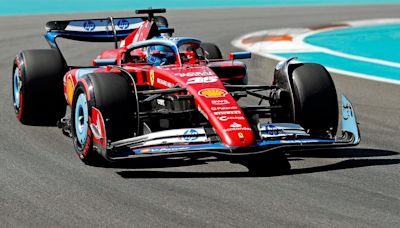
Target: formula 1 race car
159 95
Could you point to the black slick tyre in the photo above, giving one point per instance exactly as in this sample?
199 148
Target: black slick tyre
37 87
315 99
112 96
212 51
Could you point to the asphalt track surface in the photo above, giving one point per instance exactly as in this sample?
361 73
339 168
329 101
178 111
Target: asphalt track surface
43 183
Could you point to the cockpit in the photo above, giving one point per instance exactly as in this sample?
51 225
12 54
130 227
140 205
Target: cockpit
165 51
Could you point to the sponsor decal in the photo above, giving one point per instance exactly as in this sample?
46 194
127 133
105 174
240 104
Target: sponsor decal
223 108
201 80
238 112
225 118
89 25
240 135
273 130
164 83
168 149
220 102
238 129
235 125
123 24
192 74
212 93
347 111
152 77
190 135
300 141
201 69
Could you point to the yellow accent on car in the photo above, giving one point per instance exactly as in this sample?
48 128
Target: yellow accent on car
152 77
209 93
70 90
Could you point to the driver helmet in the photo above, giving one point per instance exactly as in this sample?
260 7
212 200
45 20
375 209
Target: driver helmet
159 55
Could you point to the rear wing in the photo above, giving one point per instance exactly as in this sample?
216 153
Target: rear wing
101 30
97 30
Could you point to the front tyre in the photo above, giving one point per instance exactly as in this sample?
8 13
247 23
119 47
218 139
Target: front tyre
315 99
81 132
103 110
308 97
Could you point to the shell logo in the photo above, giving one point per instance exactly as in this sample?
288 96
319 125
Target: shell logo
212 93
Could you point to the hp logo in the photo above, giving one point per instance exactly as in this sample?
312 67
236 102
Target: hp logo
190 135
89 25
123 24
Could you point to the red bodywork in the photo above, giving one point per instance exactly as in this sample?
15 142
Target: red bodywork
198 77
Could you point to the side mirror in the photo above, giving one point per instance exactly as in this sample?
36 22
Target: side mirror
239 55
104 62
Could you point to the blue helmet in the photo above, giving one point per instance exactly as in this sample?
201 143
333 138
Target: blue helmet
159 55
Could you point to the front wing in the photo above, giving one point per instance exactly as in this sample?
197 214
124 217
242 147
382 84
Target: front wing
284 137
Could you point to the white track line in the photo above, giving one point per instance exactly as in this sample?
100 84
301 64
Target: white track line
300 40
267 49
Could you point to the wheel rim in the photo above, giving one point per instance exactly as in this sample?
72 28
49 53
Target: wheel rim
16 89
81 120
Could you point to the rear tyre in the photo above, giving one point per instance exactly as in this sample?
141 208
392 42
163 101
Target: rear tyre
213 51
37 87
111 95
315 99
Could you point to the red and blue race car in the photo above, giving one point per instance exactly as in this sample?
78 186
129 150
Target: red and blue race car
154 94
